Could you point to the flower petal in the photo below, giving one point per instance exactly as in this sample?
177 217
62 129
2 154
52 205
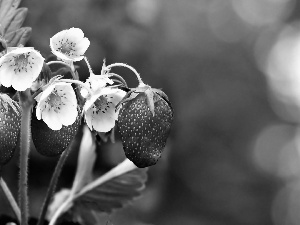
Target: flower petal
6 75
68 110
68 115
75 34
115 98
21 81
66 91
51 118
99 121
88 118
39 107
82 46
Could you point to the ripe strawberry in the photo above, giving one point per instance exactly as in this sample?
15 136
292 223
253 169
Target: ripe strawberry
10 123
50 142
144 123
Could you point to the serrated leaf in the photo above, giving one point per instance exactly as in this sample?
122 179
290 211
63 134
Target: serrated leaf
111 195
114 194
113 190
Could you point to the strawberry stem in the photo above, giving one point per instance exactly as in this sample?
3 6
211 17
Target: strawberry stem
70 66
10 199
26 102
88 65
119 77
141 83
53 182
58 62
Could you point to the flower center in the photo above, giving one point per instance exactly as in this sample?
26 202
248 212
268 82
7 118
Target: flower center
66 47
54 100
102 104
21 62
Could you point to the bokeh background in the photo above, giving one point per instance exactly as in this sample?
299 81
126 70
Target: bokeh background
231 69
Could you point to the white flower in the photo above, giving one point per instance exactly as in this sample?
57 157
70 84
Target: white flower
20 67
57 105
100 113
69 45
95 84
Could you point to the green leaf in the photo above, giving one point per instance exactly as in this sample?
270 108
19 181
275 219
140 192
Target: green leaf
115 193
111 195
20 36
14 21
113 190
7 7
12 18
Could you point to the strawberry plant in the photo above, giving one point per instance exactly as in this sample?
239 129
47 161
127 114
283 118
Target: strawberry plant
47 112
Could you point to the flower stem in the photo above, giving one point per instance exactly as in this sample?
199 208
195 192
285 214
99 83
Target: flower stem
10 199
120 78
26 102
70 66
58 62
53 182
88 65
141 83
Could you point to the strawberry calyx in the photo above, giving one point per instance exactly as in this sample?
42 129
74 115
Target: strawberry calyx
6 101
150 96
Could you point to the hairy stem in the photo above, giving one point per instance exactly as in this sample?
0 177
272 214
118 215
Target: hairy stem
58 62
53 183
26 102
10 199
70 66
141 83
88 65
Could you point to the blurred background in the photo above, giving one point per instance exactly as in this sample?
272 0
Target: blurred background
231 69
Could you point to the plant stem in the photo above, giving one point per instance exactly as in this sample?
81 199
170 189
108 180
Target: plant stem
70 66
26 102
141 83
120 78
57 62
53 182
10 199
88 65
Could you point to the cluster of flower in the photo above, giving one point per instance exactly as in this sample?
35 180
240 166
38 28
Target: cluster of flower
56 102
144 116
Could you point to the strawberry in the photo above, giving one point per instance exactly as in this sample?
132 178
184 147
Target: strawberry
50 142
10 123
144 124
